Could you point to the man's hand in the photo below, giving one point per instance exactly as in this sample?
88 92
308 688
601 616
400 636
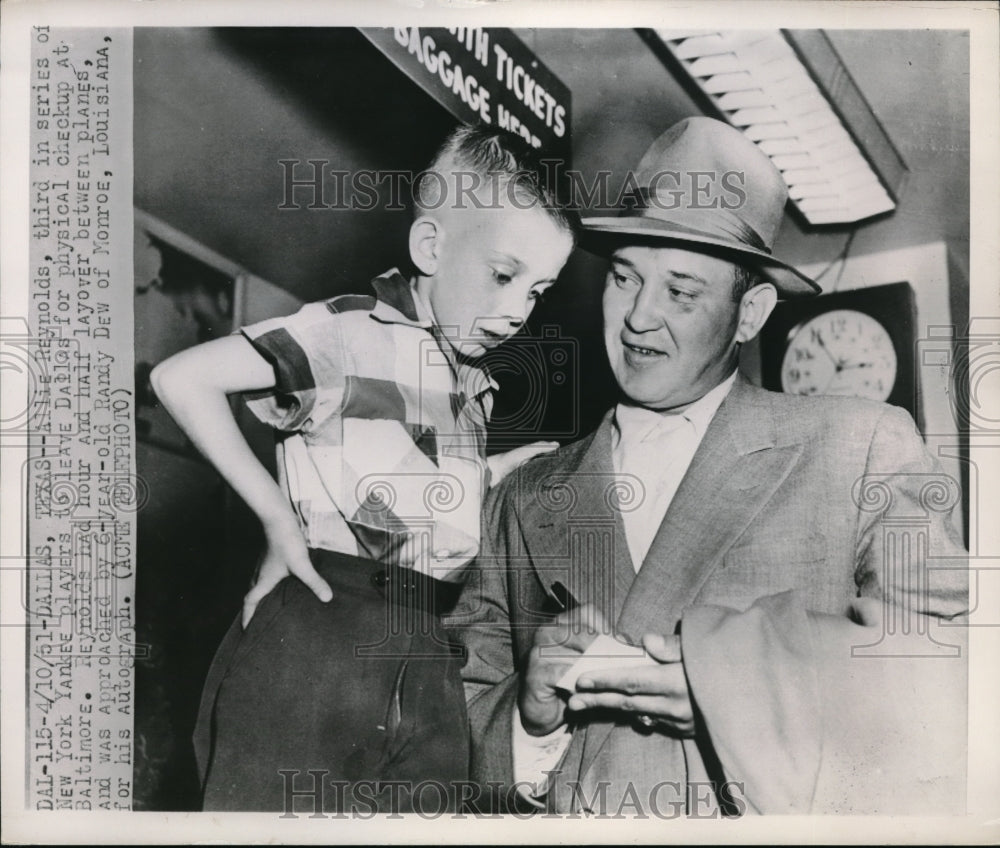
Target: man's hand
557 646
286 555
660 692
501 464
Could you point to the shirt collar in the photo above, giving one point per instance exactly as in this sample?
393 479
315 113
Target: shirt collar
396 302
636 422
703 410
475 379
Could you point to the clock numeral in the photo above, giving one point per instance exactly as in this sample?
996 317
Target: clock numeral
794 375
802 353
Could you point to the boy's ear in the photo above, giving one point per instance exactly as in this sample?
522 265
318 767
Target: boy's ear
426 236
755 308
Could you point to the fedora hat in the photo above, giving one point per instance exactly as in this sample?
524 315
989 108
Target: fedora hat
704 186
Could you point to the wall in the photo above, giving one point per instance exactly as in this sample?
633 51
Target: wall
217 110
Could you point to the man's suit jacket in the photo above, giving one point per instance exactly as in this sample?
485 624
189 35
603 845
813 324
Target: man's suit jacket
831 498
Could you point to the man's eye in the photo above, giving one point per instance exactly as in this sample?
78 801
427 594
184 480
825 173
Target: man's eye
682 295
623 281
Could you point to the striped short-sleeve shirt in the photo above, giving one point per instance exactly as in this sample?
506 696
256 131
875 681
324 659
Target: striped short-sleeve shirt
381 429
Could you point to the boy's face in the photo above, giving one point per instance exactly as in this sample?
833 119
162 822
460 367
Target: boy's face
491 267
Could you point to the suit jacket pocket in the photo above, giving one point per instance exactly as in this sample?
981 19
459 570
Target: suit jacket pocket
762 566
776 551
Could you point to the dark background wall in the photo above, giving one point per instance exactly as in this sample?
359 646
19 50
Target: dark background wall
216 111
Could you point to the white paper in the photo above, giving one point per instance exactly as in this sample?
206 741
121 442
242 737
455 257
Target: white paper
605 652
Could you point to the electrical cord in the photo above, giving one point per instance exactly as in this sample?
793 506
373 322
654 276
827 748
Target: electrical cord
841 258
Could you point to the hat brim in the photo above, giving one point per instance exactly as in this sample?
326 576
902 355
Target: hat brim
602 236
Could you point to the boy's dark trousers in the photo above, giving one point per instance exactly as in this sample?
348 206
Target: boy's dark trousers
352 704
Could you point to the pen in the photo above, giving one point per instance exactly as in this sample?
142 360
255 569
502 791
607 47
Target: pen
563 597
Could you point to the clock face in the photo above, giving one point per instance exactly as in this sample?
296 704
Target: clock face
841 352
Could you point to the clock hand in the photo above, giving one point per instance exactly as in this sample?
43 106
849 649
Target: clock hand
822 344
843 366
826 350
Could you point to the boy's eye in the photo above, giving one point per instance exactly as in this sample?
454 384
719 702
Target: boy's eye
536 295
502 277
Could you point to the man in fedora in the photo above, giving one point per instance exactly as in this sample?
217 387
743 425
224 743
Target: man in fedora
741 537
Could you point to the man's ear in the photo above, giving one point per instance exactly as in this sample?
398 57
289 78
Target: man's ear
755 308
426 236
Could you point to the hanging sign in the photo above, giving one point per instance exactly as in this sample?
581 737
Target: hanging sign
483 75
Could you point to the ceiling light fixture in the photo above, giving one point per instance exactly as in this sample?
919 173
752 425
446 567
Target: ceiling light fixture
791 94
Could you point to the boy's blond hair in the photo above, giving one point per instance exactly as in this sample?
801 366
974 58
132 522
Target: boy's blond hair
481 167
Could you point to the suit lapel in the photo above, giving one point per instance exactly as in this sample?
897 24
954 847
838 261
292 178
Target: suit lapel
733 474
573 528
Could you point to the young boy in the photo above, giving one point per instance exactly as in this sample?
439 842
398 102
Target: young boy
342 677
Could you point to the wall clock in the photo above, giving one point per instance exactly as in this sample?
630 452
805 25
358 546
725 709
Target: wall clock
856 343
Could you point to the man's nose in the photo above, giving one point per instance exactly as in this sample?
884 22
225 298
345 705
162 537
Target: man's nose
644 315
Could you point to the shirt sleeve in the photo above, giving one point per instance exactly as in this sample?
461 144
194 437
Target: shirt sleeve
535 757
307 354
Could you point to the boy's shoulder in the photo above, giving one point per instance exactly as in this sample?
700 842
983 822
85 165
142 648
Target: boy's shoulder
349 303
335 315
325 311
391 302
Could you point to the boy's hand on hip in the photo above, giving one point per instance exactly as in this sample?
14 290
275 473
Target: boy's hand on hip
501 464
286 555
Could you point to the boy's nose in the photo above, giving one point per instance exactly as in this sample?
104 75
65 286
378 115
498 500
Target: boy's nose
501 325
514 311
515 323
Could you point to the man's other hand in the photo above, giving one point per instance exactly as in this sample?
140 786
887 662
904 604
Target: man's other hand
658 692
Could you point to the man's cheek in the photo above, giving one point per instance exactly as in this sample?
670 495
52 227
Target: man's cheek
611 345
614 314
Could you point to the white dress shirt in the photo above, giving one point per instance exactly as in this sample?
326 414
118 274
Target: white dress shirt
653 449
656 449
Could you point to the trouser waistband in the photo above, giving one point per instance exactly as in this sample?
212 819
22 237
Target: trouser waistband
401 586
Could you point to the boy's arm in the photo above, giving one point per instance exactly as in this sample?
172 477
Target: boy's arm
193 386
